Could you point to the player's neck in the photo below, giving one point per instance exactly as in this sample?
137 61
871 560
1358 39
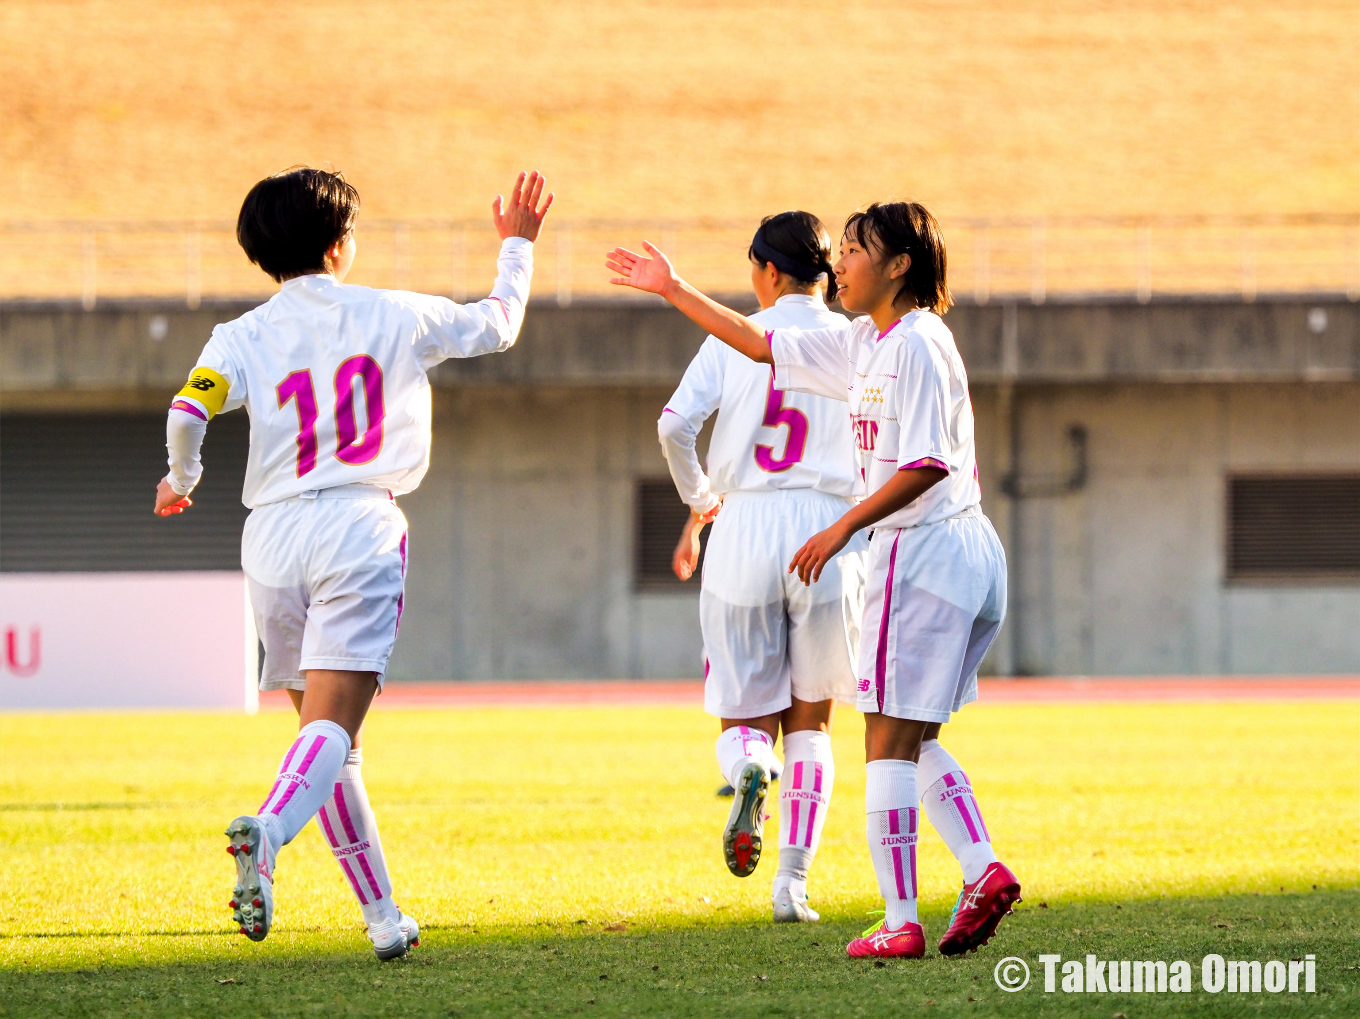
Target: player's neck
891 310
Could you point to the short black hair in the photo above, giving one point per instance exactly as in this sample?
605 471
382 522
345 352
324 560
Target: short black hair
898 228
798 245
291 219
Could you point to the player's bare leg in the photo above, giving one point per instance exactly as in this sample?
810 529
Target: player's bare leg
804 796
331 715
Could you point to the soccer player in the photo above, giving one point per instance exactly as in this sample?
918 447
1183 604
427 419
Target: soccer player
936 587
777 653
334 379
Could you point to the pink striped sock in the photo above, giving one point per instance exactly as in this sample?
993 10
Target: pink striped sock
804 796
306 774
352 833
948 798
739 746
893 815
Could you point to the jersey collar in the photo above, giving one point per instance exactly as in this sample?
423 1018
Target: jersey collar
810 300
310 280
908 317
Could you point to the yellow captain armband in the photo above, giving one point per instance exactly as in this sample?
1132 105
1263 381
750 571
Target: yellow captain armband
208 388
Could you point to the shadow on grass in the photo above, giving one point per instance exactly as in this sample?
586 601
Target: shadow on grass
704 969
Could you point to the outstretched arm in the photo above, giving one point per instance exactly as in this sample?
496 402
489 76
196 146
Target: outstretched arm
469 330
656 275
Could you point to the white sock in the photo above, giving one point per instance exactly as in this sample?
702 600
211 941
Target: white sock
890 801
739 746
352 832
804 796
306 775
948 798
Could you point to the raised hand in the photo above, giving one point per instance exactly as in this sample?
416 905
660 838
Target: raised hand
654 275
523 216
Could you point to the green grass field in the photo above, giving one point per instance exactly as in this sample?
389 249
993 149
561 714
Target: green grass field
566 862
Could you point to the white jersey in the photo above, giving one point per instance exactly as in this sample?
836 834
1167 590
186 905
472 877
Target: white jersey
765 439
909 404
334 378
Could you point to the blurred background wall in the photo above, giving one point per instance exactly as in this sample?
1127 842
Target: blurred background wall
1153 214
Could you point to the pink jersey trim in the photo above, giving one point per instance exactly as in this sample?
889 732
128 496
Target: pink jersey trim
925 461
189 408
885 332
881 657
504 310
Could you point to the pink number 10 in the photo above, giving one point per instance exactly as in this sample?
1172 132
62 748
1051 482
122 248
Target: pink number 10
351 447
777 414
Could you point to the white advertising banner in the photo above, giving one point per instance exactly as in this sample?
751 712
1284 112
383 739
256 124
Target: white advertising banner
127 640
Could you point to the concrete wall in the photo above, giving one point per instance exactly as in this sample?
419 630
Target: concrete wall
1127 575
522 541
522 533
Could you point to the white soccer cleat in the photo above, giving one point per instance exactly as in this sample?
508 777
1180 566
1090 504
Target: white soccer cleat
252 899
393 940
745 828
787 909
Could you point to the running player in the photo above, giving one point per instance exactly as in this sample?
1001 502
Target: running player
936 588
334 380
777 653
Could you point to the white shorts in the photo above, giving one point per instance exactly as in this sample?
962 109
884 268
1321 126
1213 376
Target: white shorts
935 599
326 578
767 636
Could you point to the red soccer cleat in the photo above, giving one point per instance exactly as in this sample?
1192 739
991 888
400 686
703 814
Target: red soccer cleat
878 942
980 908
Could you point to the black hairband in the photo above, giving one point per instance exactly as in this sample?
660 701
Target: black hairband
785 264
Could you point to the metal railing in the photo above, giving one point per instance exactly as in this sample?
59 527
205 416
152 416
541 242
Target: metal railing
989 259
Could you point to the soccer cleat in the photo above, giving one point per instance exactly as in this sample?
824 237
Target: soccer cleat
979 909
252 899
726 790
878 942
393 940
787 909
412 930
746 822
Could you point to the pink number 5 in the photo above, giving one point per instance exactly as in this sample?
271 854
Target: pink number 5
350 447
298 386
777 414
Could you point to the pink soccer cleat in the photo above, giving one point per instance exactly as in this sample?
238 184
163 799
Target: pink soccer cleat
980 908
878 942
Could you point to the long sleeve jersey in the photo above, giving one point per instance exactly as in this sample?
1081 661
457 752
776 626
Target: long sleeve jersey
334 379
765 438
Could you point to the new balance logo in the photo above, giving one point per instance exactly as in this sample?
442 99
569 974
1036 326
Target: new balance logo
201 384
863 686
